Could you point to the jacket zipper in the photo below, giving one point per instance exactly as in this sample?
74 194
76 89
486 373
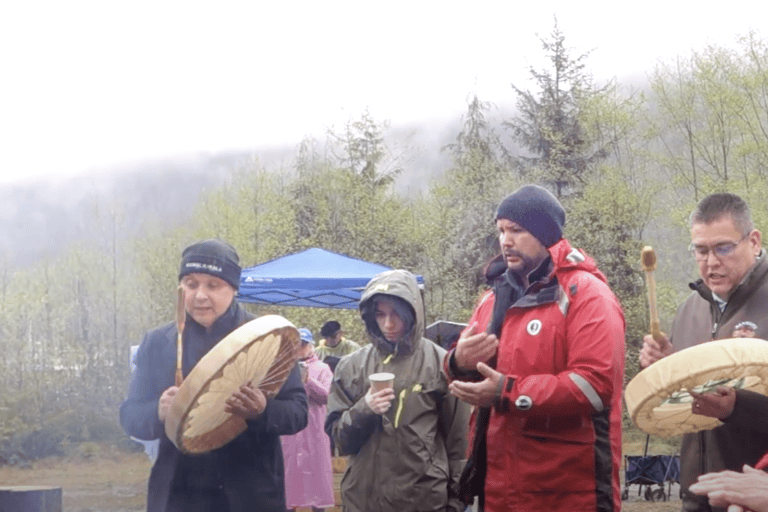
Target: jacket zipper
403 392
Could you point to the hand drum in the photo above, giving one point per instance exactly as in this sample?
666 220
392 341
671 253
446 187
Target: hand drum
262 352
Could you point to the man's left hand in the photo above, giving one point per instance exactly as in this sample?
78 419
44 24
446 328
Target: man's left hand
718 404
248 402
479 394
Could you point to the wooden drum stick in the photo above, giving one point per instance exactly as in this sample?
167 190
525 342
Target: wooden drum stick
648 261
181 316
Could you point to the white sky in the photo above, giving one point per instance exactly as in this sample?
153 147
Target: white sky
85 86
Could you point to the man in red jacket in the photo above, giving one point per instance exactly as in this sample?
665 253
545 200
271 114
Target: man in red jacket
542 361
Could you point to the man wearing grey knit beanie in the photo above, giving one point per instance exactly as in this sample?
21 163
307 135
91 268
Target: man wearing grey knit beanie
542 362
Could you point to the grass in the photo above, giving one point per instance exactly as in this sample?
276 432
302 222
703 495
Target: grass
633 443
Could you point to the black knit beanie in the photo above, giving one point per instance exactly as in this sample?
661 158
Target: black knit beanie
212 257
537 210
330 328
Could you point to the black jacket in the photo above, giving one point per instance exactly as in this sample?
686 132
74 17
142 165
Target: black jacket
247 473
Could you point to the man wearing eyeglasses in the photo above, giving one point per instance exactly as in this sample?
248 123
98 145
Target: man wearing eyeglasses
733 290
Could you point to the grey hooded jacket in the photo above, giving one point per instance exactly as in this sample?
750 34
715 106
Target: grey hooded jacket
409 458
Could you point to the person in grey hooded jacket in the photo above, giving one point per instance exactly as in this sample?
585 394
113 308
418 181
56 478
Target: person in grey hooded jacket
407 444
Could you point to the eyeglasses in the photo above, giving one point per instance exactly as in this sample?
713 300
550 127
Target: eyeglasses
723 250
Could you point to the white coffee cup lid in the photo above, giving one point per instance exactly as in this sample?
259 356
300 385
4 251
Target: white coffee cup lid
381 377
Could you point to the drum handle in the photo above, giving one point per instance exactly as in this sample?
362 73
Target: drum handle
181 315
648 261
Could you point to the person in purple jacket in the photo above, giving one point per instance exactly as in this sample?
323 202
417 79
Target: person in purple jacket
308 471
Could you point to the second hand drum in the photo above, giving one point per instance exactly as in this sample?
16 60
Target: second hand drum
658 400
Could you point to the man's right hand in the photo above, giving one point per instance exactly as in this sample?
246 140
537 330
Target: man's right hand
380 401
166 399
654 350
474 348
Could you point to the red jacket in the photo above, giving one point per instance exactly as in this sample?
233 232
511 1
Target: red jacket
554 434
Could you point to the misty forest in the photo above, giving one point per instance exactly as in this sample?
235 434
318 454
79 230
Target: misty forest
627 162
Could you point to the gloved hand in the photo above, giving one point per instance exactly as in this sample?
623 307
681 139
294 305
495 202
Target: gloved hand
381 401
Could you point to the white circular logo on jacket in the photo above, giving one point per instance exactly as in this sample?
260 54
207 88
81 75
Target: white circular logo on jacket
534 327
523 402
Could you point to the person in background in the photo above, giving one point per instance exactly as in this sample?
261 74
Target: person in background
334 345
247 473
543 363
308 471
150 447
729 300
406 443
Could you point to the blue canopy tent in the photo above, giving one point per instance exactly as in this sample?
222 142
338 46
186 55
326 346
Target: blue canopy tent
312 278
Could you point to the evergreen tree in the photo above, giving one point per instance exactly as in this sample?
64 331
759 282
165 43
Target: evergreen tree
364 152
553 124
456 220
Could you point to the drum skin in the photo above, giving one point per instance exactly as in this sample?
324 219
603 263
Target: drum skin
262 352
657 398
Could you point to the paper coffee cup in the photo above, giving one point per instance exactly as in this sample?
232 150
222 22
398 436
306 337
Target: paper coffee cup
381 381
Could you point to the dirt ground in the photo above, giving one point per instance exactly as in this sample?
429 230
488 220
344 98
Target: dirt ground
104 479
638 505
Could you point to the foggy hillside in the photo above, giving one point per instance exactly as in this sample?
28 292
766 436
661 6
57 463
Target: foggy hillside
38 220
